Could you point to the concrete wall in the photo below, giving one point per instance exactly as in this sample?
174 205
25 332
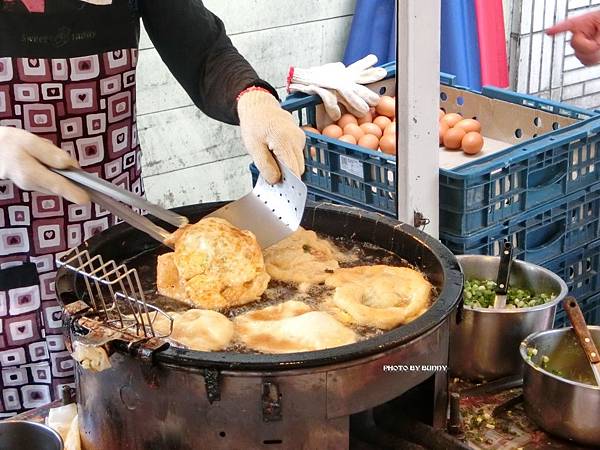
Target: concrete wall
546 66
190 158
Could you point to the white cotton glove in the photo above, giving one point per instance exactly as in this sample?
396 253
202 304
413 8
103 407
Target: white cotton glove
336 83
266 130
25 158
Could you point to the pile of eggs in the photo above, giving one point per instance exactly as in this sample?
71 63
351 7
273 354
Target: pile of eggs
375 131
457 132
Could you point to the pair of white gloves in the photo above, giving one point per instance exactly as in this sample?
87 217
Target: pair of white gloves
266 129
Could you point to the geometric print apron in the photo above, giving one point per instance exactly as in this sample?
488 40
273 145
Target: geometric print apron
86 106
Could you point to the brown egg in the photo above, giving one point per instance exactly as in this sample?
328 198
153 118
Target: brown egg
387 144
371 128
313 150
386 106
382 122
441 114
472 143
333 131
369 141
469 125
346 119
354 130
348 138
452 119
443 129
366 119
390 129
311 129
453 138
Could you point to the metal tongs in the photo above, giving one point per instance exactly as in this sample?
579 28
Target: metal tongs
114 199
271 212
503 276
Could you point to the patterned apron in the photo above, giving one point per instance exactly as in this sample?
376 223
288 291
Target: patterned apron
86 106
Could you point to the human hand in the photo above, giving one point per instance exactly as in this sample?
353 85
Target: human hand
266 130
336 83
586 36
25 158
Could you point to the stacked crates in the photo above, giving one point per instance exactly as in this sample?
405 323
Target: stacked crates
542 192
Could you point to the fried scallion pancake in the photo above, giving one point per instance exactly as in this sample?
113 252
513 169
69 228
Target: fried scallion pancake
378 296
290 327
197 329
302 257
167 278
214 266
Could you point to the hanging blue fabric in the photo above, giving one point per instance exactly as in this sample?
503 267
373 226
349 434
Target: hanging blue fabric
373 31
392 46
459 54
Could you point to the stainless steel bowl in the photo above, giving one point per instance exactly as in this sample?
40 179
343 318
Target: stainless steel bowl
484 344
28 435
560 406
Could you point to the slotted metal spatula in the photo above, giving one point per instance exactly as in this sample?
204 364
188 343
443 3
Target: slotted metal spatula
271 212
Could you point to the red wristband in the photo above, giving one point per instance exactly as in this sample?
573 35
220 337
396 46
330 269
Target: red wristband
250 89
289 78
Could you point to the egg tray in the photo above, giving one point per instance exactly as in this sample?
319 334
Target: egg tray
536 151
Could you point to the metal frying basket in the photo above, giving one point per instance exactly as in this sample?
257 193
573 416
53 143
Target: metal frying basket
113 306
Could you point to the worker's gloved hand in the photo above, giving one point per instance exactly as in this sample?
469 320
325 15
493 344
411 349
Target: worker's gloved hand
586 36
336 83
25 158
266 130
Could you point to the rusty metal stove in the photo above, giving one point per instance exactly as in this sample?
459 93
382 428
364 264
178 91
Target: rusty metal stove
161 397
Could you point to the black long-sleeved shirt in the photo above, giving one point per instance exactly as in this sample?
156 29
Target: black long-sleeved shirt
189 38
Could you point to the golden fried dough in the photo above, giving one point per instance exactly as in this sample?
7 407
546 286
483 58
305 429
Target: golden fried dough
302 257
379 296
197 329
167 278
290 327
215 265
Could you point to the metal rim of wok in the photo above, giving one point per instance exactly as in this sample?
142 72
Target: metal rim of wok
362 224
531 340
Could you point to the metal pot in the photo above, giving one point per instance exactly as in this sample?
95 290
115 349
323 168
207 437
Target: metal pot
176 398
28 435
560 406
484 342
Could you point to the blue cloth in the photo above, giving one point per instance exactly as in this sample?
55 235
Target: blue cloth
460 43
373 31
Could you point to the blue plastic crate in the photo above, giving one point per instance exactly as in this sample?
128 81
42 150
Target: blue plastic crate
580 269
478 195
540 234
590 308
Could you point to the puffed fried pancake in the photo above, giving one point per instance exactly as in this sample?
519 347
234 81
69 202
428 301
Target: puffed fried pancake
302 257
215 265
378 296
290 327
198 329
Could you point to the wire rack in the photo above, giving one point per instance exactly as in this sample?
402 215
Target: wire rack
115 296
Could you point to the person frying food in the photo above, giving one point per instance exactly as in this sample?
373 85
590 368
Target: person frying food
67 99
